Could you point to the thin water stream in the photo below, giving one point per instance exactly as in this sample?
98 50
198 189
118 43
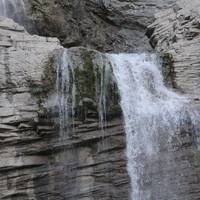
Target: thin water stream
15 9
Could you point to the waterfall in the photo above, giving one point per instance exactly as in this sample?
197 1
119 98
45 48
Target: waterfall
3 8
75 97
15 9
153 115
64 92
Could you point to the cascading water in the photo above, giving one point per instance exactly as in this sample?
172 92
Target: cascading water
69 81
63 87
15 9
3 9
153 115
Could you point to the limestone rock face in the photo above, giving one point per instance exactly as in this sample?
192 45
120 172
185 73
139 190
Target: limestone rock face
111 25
36 162
176 33
23 58
15 9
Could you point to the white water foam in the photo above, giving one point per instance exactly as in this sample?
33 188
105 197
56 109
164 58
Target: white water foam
153 114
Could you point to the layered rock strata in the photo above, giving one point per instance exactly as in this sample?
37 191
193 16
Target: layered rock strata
111 25
176 33
36 162
175 36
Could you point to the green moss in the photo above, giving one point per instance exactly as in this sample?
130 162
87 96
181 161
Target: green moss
167 57
195 158
44 16
90 80
49 75
113 98
41 90
86 76
85 79
168 69
36 89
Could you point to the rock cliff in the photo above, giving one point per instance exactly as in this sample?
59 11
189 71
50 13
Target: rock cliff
176 33
111 25
36 161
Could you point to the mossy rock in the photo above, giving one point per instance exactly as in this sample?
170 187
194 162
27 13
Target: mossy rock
43 16
168 69
41 90
93 78
84 77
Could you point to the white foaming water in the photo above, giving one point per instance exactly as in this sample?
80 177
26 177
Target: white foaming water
151 112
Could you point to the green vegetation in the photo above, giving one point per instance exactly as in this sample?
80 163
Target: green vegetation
40 90
91 79
168 68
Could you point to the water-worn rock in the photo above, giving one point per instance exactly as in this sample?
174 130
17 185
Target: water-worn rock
111 25
176 33
35 162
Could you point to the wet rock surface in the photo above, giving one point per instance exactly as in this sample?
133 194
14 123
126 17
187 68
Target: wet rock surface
36 163
175 35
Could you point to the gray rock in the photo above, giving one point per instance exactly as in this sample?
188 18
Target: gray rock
90 164
111 25
35 162
176 33
175 36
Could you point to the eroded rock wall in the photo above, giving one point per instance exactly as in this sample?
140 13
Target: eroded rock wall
36 163
91 164
175 36
111 25
176 33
